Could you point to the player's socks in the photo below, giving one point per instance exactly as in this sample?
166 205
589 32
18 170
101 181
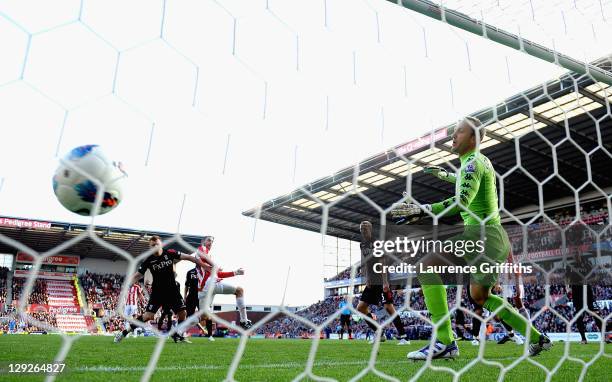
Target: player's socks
371 325
209 328
512 317
397 321
241 308
476 323
437 305
341 333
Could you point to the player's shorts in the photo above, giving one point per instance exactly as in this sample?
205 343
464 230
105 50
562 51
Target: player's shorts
374 295
170 298
130 310
345 319
496 250
218 288
192 304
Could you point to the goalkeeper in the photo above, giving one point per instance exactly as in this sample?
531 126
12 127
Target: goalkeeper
476 201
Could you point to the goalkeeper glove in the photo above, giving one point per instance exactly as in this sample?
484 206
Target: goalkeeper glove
408 213
436 171
239 272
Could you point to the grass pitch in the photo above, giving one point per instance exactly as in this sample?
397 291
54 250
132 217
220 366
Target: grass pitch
99 359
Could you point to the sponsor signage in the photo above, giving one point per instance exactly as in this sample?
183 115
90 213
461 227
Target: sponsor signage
19 223
44 275
23 257
574 337
557 252
37 308
416 144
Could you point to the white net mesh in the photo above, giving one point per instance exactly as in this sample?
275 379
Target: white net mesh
171 85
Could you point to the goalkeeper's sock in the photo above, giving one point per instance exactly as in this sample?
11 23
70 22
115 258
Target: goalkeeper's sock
512 317
435 299
241 308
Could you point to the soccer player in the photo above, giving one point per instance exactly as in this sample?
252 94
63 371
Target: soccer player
577 276
511 288
345 319
164 290
377 288
476 200
134 297
205 282
191 298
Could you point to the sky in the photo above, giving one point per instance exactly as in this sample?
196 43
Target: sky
222 105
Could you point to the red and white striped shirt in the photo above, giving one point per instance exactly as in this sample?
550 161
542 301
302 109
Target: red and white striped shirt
204 274
133 295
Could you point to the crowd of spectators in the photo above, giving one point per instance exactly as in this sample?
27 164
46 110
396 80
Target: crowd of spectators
3 286
417 328
38 294
345 274
102 289
14 323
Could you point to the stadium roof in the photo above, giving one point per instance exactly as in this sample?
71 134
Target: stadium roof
533 117
43 236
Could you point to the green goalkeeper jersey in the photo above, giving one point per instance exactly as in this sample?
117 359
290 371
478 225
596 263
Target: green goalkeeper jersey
475 188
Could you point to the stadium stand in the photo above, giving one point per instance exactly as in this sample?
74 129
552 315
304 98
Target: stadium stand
3 287
60 299
102 289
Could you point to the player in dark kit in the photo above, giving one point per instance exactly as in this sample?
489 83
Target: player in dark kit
193 303
165 290
579 276
377 288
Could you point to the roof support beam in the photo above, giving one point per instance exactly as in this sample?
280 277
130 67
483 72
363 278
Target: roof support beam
134 241
592 96
319 211
422 184
312 225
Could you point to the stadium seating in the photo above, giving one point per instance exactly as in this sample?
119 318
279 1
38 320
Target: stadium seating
3 286
71 322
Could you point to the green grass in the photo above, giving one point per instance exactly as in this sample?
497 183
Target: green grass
98 359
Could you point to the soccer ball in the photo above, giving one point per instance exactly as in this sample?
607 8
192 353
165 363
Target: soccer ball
73 185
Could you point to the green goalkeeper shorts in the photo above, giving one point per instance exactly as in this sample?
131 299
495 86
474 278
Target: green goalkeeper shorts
491 247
